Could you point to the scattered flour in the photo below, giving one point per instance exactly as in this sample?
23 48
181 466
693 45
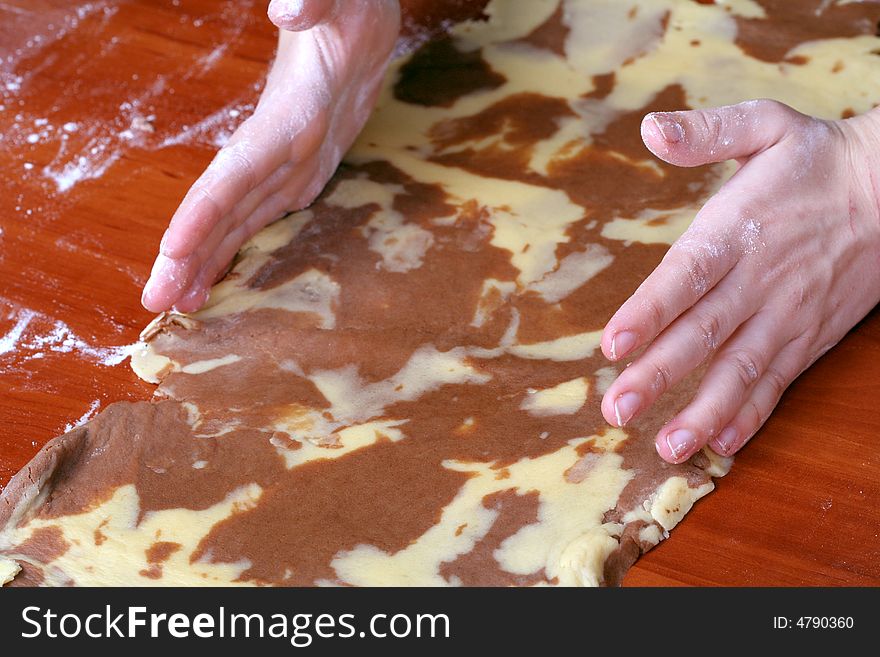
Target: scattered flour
95 405
87 149
9 341
207 62
61 339
98 156
751 235
33 335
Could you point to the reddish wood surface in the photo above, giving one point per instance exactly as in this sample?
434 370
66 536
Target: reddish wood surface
153 87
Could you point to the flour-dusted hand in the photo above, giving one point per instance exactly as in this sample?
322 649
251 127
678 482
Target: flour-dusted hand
331 58
774 270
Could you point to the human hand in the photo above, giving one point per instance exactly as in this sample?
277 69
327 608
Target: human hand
773 271
331 58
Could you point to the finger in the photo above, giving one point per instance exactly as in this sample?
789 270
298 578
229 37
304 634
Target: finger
254 153
766 394
168 279
734 371
189 266
299 15
192 300
284 176
200 290
289 195
235 171
695 137
274 208
679 349
280 178
292 188
692 267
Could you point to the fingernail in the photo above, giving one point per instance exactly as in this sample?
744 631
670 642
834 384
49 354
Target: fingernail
622 343
625 406
680 442
669 127
726 440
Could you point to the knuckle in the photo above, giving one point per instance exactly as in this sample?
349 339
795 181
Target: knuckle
777 381
768 105
661 378
710 123
798 297
803 345
311 137
696 270
752 415
211 202
654 313
752 207
802 352
745 365
771 107
708 330
246 167
751 215
715 417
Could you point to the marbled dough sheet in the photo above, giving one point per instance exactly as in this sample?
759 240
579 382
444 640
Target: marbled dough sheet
400 385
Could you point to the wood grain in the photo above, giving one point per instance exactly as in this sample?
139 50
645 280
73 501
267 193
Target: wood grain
148 90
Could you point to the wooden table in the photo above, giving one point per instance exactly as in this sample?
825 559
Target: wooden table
109 112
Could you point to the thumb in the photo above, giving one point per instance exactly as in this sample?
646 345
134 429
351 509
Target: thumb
299 15
695 137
